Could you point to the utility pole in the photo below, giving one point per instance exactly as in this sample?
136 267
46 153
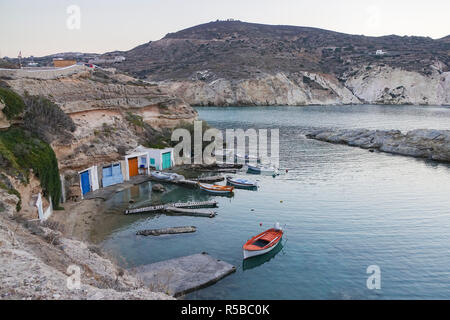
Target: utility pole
20 59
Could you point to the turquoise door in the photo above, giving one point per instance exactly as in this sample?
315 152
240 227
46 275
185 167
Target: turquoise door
166 160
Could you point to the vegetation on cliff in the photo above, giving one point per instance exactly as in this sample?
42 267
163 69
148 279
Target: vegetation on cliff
14 104
150 137
25 146
23 151
46 119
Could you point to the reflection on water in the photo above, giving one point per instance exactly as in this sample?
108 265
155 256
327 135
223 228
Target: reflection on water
344 209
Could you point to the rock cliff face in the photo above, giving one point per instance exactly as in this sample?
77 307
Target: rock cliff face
420 143
4 123
109 111
304 88
34 262
238 63
377 85
386 85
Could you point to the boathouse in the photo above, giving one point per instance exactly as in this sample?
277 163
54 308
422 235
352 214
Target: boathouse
136 163
111 174
160 159
88 180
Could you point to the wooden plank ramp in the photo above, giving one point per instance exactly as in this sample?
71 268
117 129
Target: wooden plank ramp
210 179
190 212
182 275
182 205
195 204
172 230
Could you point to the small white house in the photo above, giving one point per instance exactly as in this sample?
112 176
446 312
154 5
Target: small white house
136 163
88 180
380 52
160 159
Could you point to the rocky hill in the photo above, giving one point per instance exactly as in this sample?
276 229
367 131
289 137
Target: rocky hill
233 62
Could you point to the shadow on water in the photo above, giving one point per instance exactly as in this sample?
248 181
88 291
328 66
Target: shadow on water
257 261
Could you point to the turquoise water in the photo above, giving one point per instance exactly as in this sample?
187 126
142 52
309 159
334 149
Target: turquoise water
343 208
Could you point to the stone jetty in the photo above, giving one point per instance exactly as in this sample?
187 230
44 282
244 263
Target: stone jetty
421 143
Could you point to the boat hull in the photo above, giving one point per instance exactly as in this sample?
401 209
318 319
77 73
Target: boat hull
211 189
160 176
262 243
249 254
238 184
261 170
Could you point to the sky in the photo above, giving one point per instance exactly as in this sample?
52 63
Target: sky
50 26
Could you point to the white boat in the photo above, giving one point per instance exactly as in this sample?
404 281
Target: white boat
241 183
165 175
263 242
261 169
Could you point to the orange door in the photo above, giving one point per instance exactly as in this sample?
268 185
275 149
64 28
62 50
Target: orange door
133 166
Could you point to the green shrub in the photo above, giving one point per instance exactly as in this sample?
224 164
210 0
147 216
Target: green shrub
46 120
24 149
14 104
135 119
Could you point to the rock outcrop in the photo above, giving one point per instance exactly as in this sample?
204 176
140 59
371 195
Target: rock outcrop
420 143
304 88
4 123
386 85
36 262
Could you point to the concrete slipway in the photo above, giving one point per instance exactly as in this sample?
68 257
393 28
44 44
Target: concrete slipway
183 275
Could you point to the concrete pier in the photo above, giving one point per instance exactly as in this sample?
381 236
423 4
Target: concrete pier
183 275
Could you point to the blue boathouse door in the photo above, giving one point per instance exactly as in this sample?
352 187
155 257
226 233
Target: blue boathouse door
85 184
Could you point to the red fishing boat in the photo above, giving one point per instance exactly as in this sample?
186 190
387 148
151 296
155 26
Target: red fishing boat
263 242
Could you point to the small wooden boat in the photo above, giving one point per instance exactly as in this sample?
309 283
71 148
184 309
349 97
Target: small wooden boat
213 188
261 169
241 183
263 242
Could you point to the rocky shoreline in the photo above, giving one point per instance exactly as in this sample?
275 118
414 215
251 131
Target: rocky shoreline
421 143
36 261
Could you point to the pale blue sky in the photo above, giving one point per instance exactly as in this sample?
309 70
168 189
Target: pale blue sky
39 27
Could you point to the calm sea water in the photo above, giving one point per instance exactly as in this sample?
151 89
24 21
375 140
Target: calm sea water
343 208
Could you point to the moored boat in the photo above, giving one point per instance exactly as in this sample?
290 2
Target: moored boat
261 169
263 242
165 175
241 183
216 189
